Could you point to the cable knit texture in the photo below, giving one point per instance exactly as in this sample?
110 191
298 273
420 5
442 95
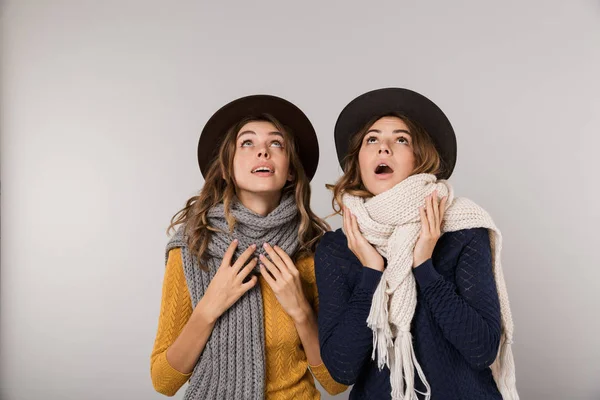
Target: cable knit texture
391 222
232 363
456 327
288 374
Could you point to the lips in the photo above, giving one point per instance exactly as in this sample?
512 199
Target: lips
263 169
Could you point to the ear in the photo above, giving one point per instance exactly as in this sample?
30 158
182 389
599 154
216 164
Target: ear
290 176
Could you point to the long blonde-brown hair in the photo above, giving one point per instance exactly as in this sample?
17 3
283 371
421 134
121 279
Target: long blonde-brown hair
427 160
220 186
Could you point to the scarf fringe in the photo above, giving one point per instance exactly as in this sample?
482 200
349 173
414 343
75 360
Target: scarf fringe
402 370
379 324
503 370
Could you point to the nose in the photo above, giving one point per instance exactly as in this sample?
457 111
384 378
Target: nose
263 153
384 148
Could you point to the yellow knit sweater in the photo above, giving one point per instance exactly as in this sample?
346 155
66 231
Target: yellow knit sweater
288 374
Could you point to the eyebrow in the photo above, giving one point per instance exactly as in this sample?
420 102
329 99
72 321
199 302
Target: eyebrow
395 131
274 133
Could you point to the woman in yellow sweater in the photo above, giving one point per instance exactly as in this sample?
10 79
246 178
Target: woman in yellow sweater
239 300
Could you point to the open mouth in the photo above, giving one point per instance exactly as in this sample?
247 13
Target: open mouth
383 169
262 170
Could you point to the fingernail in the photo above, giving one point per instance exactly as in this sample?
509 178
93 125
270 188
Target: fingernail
261 256
265 245
253 245
235 240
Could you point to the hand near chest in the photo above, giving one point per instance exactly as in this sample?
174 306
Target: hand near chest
283 277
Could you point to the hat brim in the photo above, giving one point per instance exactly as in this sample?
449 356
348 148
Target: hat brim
285 112
413 105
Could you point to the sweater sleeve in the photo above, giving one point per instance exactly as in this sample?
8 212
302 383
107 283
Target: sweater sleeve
320 371
468 312
175 311
345 339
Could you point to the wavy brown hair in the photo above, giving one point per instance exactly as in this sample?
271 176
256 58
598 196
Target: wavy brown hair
220 186
427 160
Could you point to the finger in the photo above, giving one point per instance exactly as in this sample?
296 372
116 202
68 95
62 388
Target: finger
286 259
443 205
241 276
275 258
250 284
345 220
227 257
270 267
436 209
265 274
239 263
424 221
349 230
355 229
430 214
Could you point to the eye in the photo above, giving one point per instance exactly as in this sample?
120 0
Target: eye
246 143
371 139
402 140
276 143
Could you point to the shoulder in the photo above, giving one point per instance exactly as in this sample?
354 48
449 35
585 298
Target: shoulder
335 236
174 253
332 244
465 236
174 259
177 240
334 257
463 241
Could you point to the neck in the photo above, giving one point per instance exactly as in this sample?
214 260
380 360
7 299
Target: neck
260 203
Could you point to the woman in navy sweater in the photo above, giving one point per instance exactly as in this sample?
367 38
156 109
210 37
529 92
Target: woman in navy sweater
384 138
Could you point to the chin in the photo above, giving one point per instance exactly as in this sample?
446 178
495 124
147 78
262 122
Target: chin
262 187
380 187
267 190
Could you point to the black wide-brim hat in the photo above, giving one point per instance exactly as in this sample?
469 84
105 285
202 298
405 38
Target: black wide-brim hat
289 115
413 105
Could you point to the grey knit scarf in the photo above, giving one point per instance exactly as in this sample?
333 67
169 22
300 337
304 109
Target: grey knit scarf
232 365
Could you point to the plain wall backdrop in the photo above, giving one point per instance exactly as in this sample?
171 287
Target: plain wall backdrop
102 104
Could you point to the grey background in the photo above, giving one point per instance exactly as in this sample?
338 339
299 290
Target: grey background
102 104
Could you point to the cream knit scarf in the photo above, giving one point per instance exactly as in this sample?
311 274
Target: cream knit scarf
390 221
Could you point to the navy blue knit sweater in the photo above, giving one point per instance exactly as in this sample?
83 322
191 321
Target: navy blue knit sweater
456 327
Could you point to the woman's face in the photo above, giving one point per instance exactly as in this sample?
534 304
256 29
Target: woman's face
386 155
260 163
